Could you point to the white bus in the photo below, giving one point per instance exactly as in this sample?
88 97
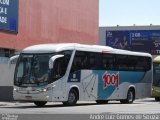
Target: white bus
74 72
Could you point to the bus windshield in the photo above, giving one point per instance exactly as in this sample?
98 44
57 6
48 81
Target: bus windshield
32 70
156 74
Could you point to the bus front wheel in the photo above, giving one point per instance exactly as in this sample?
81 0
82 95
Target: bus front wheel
72 98
40 103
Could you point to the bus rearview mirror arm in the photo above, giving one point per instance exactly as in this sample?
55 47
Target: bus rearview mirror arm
13 60
52 59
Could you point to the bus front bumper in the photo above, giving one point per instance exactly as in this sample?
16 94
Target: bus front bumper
31 96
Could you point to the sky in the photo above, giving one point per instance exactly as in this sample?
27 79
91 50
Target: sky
129 12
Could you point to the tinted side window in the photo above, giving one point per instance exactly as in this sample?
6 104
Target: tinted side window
108 62
132 62
79 61
85 60
139 63
143 64
60 65
91 61
67 56
58 69
125 62
121 62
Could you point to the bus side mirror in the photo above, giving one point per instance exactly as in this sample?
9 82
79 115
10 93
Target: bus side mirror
13 60
52 59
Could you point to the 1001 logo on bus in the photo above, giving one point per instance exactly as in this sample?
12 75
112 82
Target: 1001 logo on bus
110 79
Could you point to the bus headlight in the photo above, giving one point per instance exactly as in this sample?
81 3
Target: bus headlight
15 89
44 90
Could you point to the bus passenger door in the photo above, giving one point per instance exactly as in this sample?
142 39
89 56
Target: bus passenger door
58 73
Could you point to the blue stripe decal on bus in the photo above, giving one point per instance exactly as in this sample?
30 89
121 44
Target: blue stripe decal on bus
108 81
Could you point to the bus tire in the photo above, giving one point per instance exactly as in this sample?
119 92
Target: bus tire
72 98
101 101
123 101
157 98
130 97
40 103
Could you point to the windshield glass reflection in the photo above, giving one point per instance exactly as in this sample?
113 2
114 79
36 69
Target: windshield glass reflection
33 70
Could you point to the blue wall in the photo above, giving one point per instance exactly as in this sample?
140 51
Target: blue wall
136 40
9 15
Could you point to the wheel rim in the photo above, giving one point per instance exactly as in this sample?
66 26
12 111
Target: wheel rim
130 96
72 97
